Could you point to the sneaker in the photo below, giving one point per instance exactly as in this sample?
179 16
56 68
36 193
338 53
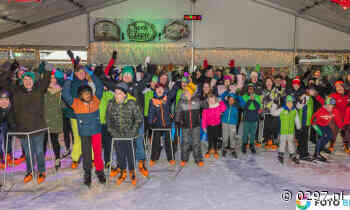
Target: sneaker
252 148
132 176
244 148
41 178
183 163
200 164
320 158
172 162
142 168
87 179
74 164
101 177
28 178
114 172
122 177
234 154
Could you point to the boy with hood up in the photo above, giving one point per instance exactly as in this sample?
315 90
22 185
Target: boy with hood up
289 117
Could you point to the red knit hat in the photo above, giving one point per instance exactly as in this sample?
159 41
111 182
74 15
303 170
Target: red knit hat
296 81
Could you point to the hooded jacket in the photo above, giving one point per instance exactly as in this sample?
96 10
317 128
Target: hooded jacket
123 119
322 117
289 119
212 115
188 113
230 116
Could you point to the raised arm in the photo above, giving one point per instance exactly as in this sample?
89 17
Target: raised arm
66 92
99 86
111 63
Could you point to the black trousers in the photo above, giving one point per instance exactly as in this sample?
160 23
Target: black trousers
67 131
55 144
213 135
157 148
86 150
106 143
125 155
302 136
270 128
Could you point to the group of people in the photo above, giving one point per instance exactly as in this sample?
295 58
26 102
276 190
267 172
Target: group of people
93 105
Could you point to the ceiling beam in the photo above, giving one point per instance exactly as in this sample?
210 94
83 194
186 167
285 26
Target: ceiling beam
311 18
58 18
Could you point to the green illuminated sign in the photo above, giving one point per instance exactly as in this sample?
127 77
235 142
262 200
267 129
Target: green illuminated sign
141 31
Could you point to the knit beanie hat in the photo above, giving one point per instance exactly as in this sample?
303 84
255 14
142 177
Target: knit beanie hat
330 101
4 93
296 81
155 79
121 86
339 82
227 77
128 70
29 74
289 98
185 80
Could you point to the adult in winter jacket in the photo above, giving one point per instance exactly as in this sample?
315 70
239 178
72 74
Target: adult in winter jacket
188 118
30 118
123 121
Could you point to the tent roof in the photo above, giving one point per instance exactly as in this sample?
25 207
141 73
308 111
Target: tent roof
324 12
17 17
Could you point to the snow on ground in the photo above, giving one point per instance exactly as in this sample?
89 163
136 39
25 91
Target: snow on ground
248 183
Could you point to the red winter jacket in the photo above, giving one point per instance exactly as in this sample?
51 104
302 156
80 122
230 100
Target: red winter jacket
347 117
322 117
341 102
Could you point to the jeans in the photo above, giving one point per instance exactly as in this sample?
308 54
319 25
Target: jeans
249 131
140 150
191 140
124 154
324 139
3 135
106 143
37 151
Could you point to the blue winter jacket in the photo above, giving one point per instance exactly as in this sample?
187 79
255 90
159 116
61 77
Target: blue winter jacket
88 117
230 116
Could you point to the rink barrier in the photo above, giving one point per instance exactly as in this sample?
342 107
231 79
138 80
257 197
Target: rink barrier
30 149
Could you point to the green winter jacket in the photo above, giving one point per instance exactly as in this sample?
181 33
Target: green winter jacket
148 97
106 97
53 111
178 96
124 119
289 119
257 98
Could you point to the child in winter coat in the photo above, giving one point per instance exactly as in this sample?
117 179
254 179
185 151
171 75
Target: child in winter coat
53 116
229 122
289 118
86 108
211 120
5 122
251 118
160 117
188 119
123 121
320 122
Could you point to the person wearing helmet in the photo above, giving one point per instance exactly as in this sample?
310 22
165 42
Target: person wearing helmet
320 121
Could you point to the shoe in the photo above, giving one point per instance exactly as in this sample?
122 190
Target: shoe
152 163
87 179
142 168
19 160
68 152
320 158
258 144
132 176
244 148
57 164
207 155
295 160
274 147
172 162
183 163
280 157
41 178
200 164
331 149
211 151
306 158
107 165
114 172
2 165
74 164
101 177
268 145
346 149
234 154
216 155
122 177
28 178
252 148
224 153
326 151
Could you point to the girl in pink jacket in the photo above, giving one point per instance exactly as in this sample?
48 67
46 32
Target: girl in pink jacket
211 119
